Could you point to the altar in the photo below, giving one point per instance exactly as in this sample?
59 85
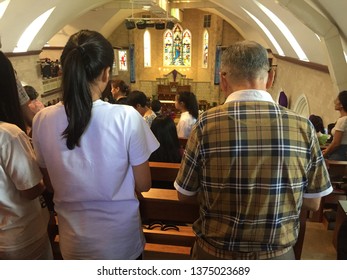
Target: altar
168 86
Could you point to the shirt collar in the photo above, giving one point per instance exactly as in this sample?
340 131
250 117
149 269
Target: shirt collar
249 95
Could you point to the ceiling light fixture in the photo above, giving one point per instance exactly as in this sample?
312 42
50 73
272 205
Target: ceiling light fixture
159 23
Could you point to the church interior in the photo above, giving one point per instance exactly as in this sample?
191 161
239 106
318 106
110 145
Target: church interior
165 46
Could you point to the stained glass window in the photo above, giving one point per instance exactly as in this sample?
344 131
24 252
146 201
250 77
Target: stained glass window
168 43
177 47
205 49
147 48
123 60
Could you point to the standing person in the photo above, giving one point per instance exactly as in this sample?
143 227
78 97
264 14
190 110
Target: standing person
337 149
188 105
120 91
96 155
164 129
35 105
253 165
24 101
318 125
156 107
138 100
23 215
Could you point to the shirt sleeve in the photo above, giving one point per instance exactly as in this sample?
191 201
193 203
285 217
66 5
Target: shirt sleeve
319 184
142 141
187 180
20 163
341 124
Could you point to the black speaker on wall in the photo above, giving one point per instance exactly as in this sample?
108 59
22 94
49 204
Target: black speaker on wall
129 24
141 24
160 25
170 25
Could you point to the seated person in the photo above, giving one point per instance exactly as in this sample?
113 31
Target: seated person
337 149
319 127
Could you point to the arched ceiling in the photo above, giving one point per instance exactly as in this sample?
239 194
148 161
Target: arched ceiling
319 26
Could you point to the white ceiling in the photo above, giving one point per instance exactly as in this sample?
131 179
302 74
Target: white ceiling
304 18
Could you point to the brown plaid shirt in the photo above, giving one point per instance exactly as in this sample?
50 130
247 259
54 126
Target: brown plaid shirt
251 163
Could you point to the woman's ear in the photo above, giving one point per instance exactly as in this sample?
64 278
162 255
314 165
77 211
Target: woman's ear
106 74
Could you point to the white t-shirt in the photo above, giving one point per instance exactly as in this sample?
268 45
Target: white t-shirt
341 125
185 125
94 188
22 221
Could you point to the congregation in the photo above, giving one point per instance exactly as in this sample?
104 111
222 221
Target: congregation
251 164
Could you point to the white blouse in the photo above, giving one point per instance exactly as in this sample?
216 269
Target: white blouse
185 125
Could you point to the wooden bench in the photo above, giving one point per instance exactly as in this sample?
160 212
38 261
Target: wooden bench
160 207
341 217
164 171
338 173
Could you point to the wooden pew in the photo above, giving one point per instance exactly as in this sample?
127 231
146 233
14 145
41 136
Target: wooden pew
338 173
164 171
337 169
160 210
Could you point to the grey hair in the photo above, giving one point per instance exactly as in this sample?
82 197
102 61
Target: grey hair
246 60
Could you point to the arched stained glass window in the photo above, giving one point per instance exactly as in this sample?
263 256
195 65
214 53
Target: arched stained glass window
168 43
177 47
205 50
123 60
147 48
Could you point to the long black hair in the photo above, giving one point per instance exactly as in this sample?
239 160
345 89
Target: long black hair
317 122
190 102
10 108
85 56
343 99
164 129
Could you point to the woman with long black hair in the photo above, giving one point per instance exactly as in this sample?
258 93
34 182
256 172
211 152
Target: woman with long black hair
96 155
23 215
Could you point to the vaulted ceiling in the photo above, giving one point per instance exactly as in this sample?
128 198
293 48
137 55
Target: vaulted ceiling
317 28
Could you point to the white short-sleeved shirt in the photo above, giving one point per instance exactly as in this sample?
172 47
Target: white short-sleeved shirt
22 221
341 125
94 188
185 125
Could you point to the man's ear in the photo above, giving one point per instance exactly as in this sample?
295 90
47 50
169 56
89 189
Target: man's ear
223 83
271 78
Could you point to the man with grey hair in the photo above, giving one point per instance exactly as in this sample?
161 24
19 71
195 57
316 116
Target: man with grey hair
252 164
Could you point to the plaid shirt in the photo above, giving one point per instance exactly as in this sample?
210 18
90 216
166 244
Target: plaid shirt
251 162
